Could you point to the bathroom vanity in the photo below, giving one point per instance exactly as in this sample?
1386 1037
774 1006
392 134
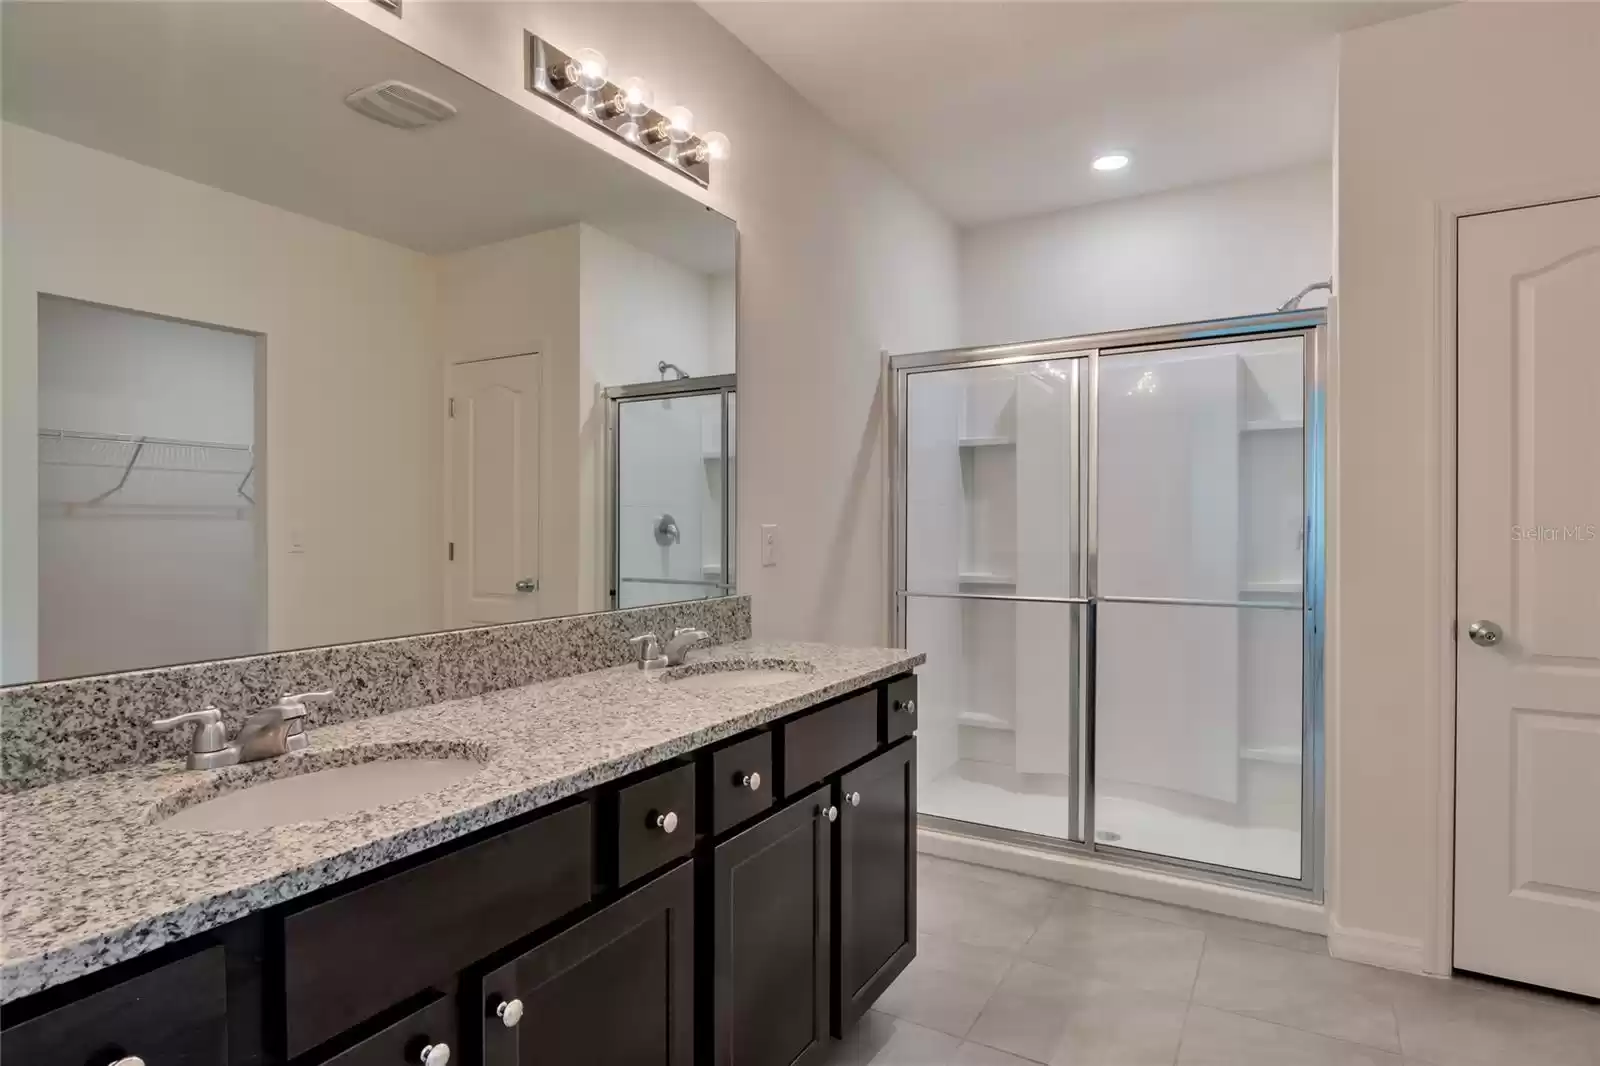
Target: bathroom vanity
638 874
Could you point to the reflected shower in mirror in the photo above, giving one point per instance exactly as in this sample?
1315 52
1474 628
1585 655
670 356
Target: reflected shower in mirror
308 339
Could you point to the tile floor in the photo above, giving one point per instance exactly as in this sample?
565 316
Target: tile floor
1011 970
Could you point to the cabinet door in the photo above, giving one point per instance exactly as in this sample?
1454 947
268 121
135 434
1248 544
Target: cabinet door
615 989
177 1015
771 910
877 880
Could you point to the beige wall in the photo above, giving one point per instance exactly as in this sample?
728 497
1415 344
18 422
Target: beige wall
838 261
1467 108
352 383
1239 247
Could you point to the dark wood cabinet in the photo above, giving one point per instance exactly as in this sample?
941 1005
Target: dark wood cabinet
736 905
875 934
618 987
363 951
175 1015
429 1031
772 918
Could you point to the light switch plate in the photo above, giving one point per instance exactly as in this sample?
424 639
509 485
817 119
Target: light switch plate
769 545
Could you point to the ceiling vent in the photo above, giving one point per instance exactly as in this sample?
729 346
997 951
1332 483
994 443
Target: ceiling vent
394 103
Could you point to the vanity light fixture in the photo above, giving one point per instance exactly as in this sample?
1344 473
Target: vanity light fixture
579 82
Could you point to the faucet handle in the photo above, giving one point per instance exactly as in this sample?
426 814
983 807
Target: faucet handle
209 736
649 650
293 704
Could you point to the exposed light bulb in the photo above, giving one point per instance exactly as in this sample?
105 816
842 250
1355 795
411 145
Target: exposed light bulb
589 69
1111 161
716 146
630 132
680 124
637 97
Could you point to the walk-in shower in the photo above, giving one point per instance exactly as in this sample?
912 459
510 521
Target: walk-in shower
670 489
1111 549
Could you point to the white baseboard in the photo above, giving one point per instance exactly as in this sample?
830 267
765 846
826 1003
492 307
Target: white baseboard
1087 872
1376 949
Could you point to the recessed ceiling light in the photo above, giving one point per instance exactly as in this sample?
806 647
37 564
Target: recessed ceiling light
1111 161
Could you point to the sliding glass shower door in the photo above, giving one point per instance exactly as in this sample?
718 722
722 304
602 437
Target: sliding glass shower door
994 588
1109 548
1200 530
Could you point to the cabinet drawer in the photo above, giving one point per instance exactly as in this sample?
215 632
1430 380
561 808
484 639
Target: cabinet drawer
740 785
352 956
654 822
176 1015
403 1043
899 709
824 741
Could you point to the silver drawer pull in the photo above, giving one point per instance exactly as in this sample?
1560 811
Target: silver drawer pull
906 706
752 781
854 799
831 813
435 1055
667 823
128 1060
509 1012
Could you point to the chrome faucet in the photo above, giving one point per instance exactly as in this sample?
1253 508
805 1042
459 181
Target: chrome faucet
648 649
266 734
677 649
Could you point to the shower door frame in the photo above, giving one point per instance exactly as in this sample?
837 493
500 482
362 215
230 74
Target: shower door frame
1311 325
723 385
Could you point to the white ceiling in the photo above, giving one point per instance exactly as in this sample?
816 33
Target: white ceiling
249 97
995 109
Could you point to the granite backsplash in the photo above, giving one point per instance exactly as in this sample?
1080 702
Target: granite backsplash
56 730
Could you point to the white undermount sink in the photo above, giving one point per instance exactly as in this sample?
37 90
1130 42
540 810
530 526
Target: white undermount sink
715 675
322 795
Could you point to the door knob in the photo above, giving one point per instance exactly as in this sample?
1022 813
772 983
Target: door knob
831 813
906 706
667 823
752 781
528 584
129 1060
1485 633
435 1055
854 799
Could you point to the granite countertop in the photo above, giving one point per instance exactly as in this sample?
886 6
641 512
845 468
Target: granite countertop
88 878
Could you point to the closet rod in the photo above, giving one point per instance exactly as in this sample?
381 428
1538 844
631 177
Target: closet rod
134 438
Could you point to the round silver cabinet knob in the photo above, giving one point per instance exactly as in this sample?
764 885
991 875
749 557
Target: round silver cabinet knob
906 706
751 781
128 1060
528 584
830 813
854 799
1485 633
665 822
435 1055
509 1012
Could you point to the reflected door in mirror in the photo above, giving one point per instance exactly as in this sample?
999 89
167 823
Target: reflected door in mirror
494 497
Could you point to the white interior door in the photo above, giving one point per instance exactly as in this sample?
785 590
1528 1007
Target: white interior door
1528 704
494 490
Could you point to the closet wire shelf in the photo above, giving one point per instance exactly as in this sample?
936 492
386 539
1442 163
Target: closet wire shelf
130 454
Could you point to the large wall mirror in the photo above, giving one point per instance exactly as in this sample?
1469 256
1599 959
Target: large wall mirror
279 372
